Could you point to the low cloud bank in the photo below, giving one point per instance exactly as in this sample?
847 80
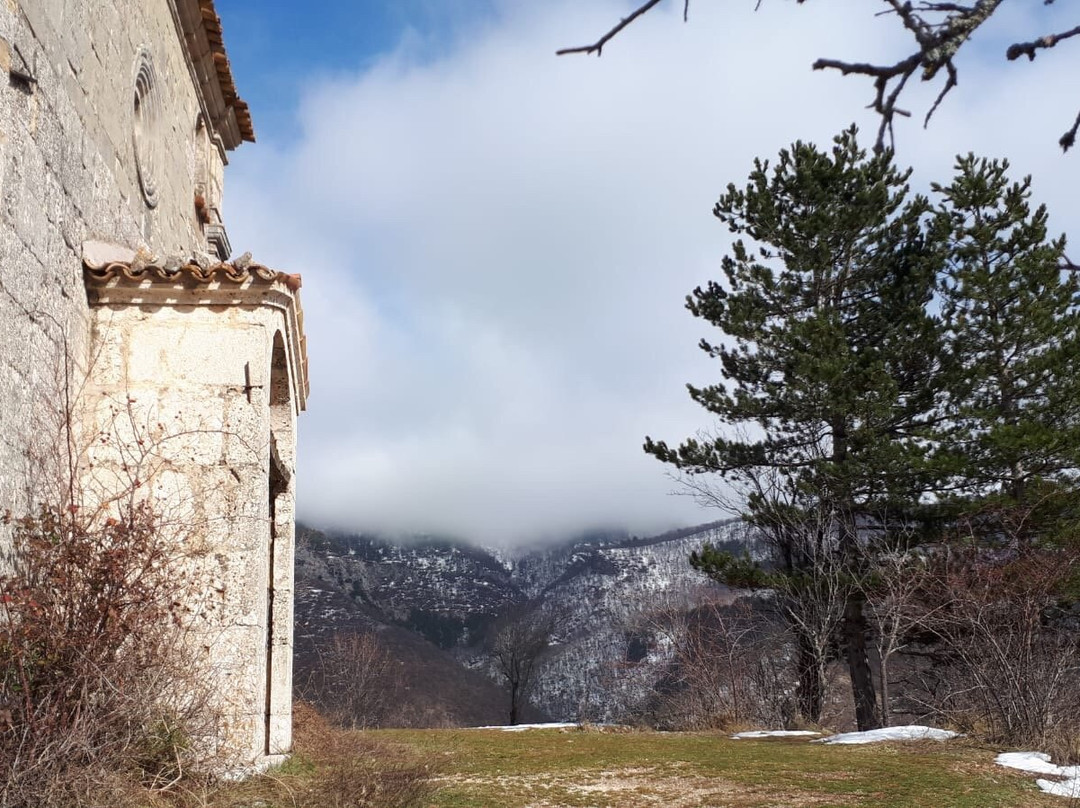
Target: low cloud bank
496 244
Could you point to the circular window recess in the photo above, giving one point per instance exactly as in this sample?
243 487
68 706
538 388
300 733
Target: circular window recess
144 135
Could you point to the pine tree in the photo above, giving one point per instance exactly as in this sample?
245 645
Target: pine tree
827 358
1012 326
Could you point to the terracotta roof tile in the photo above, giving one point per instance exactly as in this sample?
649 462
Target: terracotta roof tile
102 272
173 271
212 25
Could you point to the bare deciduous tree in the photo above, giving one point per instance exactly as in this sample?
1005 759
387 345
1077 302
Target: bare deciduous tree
939 30
807 572
517 644
895 591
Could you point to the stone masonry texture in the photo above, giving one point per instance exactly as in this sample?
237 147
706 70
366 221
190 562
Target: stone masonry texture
76 152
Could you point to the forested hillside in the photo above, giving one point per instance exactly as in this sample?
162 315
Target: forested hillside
434 605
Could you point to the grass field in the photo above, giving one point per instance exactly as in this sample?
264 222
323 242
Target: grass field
590 767
687 770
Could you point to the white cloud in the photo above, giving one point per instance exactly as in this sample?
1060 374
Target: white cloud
496 244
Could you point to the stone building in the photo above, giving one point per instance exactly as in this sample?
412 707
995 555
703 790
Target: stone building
124 323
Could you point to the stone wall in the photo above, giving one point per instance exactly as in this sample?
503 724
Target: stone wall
184 389
68 173
205 393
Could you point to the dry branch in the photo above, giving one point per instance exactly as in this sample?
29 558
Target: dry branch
940 30
1029 49
598 46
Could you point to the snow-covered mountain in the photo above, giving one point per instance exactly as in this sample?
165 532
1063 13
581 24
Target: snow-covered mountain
603 587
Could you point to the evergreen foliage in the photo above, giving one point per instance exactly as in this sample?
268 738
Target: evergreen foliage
829 349
828 359
1012 341
890 371
741 572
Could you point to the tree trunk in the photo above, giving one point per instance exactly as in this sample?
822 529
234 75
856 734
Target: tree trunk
810 692
513 703
855 627
862 679
884 679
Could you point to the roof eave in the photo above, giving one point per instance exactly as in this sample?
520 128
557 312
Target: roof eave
226 113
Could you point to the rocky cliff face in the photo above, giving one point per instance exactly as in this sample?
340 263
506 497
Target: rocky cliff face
603 587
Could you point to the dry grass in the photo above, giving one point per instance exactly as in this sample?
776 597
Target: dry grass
333 768
552 769
330 768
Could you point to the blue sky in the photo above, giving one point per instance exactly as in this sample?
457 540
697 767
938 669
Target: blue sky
276 48
496 243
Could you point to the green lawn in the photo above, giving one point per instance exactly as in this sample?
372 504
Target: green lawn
549 768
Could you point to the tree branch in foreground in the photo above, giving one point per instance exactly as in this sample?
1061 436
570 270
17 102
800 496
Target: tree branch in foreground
598 46
1030 49
940 29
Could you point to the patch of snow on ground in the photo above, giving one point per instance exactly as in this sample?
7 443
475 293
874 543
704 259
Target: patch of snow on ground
1065 788
914 732
774 733
1036 762
520 727
1039 763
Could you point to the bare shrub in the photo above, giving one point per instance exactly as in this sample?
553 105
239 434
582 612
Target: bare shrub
354 771
331 768
729 668
90 634
895 587
351 680
1004 667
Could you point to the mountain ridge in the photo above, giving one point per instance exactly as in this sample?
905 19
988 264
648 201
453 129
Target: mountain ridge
450 593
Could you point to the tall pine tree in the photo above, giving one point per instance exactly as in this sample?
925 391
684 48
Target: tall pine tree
827 358
1012 332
